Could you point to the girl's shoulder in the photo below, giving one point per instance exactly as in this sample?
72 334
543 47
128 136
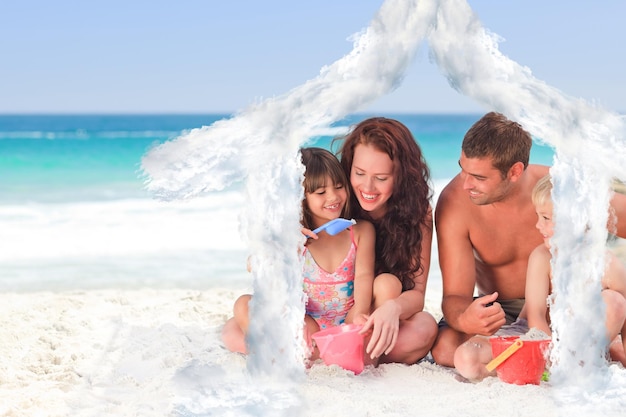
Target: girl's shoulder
539 265
540 254
364 228
362 224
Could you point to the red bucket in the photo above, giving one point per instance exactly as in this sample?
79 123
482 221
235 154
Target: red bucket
524 366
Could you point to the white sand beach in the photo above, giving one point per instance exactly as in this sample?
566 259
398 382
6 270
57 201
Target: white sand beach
159 353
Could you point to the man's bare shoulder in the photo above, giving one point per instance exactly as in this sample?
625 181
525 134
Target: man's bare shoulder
453 210
537 171
532 174
449 196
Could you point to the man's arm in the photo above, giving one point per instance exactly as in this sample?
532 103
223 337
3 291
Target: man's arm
458 269
456 259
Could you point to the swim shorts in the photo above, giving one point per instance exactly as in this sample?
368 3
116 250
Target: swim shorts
511 308
517 328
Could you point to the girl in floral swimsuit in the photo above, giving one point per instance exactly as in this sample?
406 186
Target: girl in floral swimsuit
330 295
338 270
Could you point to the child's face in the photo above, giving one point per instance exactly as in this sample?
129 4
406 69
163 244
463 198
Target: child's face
545 225
326 203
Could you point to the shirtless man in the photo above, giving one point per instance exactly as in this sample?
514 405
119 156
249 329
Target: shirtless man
485 222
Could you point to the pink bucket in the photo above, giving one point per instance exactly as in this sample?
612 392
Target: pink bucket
341 345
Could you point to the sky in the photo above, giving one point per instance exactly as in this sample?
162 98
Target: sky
220 56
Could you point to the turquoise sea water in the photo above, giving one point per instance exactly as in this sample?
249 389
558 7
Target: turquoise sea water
86 157
74 213
47 158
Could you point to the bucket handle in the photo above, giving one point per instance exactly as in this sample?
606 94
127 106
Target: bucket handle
495 362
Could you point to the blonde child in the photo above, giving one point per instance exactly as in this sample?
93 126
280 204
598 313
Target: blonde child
539 275
338 270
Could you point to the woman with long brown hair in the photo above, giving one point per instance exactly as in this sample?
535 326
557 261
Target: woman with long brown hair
390 187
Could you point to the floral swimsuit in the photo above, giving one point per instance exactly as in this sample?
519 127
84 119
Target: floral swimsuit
329 295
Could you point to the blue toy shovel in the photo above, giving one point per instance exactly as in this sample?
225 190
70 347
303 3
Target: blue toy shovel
335 226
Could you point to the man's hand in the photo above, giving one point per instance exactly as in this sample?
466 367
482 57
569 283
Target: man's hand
484 316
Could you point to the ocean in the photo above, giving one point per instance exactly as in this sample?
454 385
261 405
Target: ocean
75 213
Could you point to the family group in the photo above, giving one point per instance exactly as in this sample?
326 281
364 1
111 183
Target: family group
493 222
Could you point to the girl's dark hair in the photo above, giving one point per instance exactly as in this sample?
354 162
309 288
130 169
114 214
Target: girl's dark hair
399 232
319 164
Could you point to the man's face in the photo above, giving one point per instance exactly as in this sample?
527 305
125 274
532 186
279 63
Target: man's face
482 181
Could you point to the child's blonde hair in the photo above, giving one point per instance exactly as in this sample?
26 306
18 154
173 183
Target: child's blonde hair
542 192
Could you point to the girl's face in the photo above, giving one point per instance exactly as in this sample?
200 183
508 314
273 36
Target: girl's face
326 203
372 179
545 225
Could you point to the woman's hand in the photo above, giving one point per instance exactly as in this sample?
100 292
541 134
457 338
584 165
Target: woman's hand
384 323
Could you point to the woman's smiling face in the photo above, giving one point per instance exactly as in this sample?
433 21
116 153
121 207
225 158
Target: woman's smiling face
372 179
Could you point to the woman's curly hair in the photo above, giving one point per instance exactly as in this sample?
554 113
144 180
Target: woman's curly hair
399 232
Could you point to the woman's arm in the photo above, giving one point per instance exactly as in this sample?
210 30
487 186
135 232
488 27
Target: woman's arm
385 319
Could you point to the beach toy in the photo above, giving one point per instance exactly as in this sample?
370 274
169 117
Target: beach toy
335 226
495 362
341 345
518 361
